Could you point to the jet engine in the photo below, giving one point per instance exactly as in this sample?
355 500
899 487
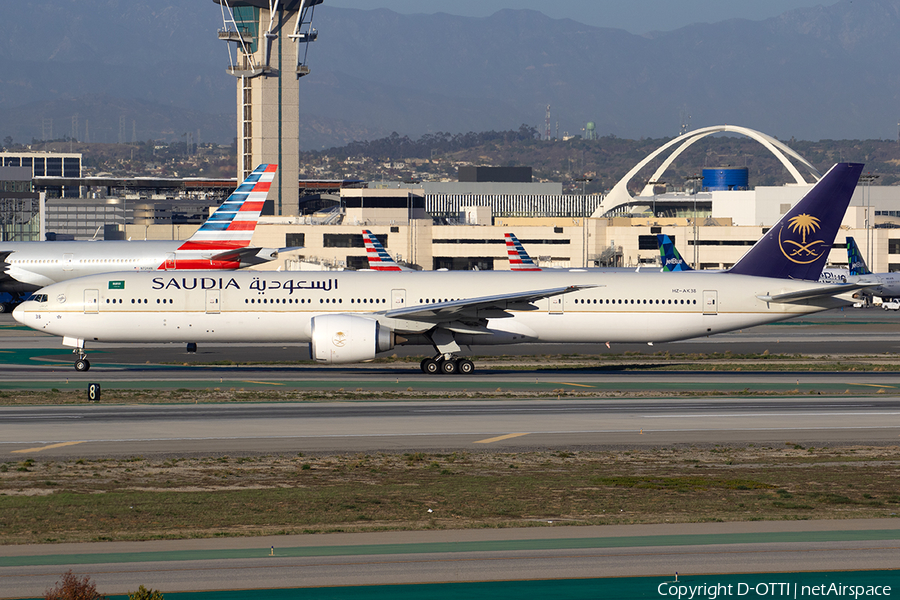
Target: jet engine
348 339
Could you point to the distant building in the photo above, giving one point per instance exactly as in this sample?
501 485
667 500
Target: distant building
495 174
19 206
47 164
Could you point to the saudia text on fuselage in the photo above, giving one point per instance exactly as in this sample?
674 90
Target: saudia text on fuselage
258 284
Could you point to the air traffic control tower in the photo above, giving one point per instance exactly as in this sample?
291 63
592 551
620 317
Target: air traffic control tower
271 39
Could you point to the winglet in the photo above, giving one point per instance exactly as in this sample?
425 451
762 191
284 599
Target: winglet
233 223
855 260
797 246
671 258
518 258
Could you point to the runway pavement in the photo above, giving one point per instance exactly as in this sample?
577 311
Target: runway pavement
117 431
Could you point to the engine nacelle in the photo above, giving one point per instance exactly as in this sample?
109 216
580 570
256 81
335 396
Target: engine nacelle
348 339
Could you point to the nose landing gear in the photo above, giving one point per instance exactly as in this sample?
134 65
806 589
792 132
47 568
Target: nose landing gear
81 363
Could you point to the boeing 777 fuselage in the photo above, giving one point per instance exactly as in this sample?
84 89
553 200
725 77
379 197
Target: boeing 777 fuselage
352 316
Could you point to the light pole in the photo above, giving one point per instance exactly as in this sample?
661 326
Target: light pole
692 180
584 249
867 180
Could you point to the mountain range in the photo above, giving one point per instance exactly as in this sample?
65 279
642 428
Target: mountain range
154 69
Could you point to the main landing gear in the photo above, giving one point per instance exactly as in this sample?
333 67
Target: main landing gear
444 361
81 363
447 366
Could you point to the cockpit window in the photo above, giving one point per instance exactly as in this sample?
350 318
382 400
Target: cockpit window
37 298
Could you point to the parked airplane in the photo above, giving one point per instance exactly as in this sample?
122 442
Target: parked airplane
886 285
379 259
222 242
351 316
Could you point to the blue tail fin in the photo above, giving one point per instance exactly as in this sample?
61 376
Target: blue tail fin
855 259
671 259
797 246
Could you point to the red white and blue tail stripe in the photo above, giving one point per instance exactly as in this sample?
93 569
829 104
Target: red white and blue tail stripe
233 223
518 258
379 259
229 228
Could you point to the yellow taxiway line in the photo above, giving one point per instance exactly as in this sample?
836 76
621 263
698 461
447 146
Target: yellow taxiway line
499 438
38 449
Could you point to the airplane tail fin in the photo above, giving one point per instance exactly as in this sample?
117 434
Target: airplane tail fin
518 258
671 258
233 223
379 259
797 246
855 259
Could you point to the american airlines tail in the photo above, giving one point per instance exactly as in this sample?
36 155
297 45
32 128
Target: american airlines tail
797 246
230 228
379 259
671 258
518 258
855 260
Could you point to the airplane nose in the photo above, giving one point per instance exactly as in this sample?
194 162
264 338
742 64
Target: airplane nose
19 314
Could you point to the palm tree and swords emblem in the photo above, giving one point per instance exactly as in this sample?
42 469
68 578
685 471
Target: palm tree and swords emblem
802 252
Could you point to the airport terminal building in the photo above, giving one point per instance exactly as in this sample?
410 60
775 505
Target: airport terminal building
454 225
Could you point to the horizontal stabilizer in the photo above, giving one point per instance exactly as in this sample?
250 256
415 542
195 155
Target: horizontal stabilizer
825 291
247 256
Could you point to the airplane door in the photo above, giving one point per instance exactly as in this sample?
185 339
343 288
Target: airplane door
170 261
710 302
212 302
398 298
556 305
91 301
68 260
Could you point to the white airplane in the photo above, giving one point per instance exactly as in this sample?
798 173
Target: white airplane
222 242
351 316
886 285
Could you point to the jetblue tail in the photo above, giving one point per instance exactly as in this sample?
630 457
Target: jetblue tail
855 260
379 259
671 258
233 223
797 246
518 258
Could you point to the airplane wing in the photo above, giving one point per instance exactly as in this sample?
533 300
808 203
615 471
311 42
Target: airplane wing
825 291
478 308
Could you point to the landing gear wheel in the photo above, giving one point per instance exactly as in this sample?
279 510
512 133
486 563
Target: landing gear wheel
82 364
192 347
448 367
431 366
423 363
465 366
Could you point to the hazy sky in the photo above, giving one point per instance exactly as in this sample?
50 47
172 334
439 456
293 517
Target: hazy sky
636 16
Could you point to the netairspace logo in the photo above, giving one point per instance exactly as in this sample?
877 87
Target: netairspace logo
771 590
